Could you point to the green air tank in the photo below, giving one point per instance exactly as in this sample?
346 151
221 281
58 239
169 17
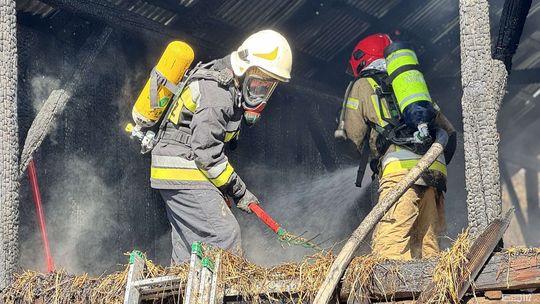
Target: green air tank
408 83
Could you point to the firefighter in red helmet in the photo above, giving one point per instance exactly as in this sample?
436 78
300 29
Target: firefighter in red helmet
368 54
413 226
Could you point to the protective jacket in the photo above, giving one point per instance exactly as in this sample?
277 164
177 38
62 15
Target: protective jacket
363 110
190 153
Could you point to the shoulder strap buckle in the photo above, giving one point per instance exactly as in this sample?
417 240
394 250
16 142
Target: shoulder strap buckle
157 79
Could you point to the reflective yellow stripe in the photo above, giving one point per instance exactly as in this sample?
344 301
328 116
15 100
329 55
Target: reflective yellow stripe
185 100
223 178
167 161
405 154
400 58
375 102
352 103
404 165
230 135
190 105
372 83
177 174
191 175
174 117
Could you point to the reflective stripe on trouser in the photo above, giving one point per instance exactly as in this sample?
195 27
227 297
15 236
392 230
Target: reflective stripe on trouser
404 160
200 215
412 228
175 168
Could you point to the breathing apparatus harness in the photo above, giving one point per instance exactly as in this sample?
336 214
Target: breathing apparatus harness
396 131
214 70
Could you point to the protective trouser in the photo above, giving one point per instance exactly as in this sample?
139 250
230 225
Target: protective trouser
200 215
412 228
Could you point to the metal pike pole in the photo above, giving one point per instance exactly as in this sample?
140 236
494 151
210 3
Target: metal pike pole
32 176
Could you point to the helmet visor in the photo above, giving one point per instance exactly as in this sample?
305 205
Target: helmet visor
258 88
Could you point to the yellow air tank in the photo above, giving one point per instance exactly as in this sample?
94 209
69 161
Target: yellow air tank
172 65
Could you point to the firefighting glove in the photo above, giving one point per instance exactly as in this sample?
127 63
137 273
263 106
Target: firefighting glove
245 200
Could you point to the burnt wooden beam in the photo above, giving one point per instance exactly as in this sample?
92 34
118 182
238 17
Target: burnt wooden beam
504 298
405 280
513 19
55 104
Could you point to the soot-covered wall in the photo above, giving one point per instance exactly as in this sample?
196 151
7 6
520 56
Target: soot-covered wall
95 184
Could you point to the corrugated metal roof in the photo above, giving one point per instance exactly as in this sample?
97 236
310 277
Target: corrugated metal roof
534 8
447 65
187 3
324 37
251 14
36 8
435 14
147 10
436 22
376 8
528 54
452 25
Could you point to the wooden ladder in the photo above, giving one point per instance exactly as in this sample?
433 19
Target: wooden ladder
201 287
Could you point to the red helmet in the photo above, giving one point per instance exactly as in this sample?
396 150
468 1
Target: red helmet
366 51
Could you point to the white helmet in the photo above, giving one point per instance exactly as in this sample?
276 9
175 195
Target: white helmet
267 50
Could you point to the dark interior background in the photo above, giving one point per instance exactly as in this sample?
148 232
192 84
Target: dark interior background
95 184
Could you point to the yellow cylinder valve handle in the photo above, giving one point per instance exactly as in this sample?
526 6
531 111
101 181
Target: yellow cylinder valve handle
129 128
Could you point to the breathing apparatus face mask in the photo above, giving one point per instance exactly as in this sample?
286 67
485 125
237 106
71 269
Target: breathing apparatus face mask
256 90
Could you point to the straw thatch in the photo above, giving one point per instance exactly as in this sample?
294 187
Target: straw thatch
250 281
449 271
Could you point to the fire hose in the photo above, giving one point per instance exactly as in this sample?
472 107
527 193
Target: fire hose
345 256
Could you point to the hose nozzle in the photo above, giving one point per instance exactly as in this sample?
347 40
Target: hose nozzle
422 135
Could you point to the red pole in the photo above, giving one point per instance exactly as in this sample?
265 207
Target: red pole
264 217
40 214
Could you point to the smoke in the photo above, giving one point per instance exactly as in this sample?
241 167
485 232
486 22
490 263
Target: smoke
42 86
95 184
329 205
522 195
81 220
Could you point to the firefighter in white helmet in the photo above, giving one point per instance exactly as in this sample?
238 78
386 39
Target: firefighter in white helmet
189 165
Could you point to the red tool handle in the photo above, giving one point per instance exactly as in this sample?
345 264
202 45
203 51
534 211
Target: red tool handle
32 175
264 217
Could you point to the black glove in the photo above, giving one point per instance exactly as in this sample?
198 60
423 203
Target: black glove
245 200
